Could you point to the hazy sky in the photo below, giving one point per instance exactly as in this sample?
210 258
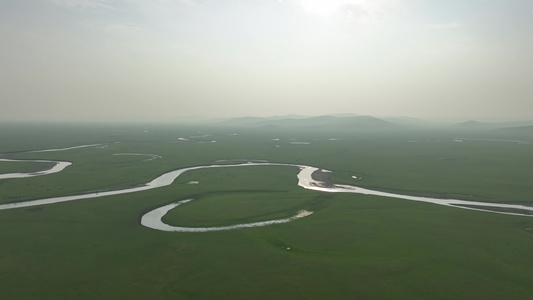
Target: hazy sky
169 59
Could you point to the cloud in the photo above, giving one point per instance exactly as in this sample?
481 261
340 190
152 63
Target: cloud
125 28
83 4
445 25
360 11
188 2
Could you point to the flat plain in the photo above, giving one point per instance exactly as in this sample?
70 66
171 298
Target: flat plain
352 247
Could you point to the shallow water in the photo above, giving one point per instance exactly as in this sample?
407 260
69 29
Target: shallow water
59 166
151 156
65 149
153 218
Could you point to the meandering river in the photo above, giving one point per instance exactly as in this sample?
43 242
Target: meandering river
58 167
153 219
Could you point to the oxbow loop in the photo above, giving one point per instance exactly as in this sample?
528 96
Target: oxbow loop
152 219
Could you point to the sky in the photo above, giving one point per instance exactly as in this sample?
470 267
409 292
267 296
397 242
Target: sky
170 60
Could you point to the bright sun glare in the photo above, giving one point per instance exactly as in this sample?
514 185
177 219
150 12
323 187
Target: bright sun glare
362 11
329 7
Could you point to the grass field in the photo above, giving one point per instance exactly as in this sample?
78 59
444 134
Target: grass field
23 166
352 247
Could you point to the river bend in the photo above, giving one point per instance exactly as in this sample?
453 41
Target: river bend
153 218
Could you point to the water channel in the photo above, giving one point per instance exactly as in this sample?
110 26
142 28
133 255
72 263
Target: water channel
153 218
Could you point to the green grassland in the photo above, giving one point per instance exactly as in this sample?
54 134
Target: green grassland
352 247
24 166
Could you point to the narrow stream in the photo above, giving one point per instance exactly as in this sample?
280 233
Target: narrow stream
153 220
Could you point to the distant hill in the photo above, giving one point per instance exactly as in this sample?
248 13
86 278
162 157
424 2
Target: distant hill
320 122
244 121
415 123
367 123
475 125
519 129
344 115
288 116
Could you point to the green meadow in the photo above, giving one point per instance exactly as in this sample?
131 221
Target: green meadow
352 247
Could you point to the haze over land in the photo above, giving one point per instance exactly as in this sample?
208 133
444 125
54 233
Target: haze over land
131 60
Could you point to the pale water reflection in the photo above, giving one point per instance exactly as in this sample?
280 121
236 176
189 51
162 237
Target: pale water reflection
153 218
